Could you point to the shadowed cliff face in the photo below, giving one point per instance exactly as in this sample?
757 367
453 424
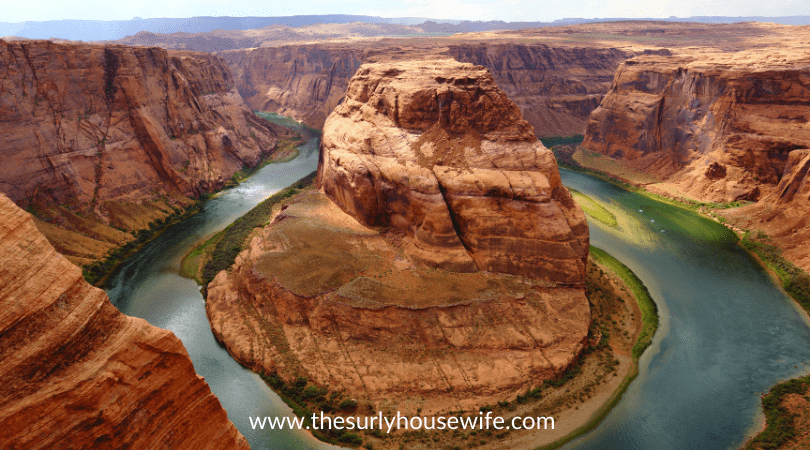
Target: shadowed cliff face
717 128
76 373
100 130
555 88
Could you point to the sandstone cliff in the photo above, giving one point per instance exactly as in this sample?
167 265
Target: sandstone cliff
440 269
434 149
556 88
715 127
76 373
784 214
98 139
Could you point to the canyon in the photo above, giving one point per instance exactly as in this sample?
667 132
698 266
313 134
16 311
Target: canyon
715 127
556 75
76 373
100 141
417 278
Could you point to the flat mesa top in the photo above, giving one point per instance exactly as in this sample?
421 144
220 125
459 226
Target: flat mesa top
318 250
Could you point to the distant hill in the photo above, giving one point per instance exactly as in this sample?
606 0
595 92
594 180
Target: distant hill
100 30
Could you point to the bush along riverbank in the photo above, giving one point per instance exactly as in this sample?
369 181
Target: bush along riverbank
98 272
219 252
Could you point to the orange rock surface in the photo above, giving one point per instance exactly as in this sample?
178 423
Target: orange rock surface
715 127
434 149
446 272
76 373
103 130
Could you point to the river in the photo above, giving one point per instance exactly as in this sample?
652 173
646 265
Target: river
726 335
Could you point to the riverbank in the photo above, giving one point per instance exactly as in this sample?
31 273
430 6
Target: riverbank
622 327
98 273
784 406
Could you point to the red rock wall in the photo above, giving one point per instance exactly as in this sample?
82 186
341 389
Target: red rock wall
76 373
85 124
555 88
719 129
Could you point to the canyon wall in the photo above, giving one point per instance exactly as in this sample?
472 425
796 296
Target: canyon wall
76 373
719 127
555 88
100 140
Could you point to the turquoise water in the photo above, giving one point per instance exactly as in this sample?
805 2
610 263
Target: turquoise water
727 332
148 286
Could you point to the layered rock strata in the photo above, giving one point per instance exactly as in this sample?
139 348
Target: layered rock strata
76 373
320 296
556 88
118 134
716 127
440 269
435 150
784 214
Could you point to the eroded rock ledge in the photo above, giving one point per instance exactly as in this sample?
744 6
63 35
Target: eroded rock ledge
441 270
76 373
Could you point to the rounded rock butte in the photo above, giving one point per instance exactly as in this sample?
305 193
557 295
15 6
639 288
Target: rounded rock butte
441 266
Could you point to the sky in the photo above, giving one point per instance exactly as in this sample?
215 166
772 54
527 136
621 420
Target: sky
484 10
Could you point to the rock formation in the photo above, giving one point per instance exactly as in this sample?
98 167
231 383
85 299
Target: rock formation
76 373
437 151
98 139
448 271
716 127
556 88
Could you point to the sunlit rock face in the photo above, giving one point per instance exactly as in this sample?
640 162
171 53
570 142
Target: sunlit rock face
435 150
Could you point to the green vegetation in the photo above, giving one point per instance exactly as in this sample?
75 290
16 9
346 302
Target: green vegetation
794 280
594 209
779 423
234 236
98 272
305 398
553 141
190 266
649 312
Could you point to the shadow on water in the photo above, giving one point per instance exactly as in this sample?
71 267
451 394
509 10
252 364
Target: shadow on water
148 286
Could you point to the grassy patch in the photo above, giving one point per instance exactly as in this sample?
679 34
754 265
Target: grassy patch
793 279
779 423
234 236
649 312
193 262
594 209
